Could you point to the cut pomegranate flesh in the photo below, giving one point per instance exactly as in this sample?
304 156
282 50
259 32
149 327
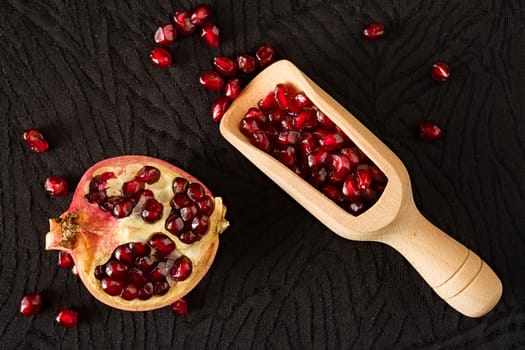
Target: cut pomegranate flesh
139 249
374 31
440 71
30 304
56 186
67 318
165 34
34 139
182 22
210 34
211 80
429 131
160 57
201 14
293 130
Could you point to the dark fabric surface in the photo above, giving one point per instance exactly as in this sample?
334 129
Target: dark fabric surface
80 71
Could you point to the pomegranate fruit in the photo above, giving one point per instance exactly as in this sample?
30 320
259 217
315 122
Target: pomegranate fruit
139 247
288 126
56 186
34 139
30 304
440 71
374 31
67 318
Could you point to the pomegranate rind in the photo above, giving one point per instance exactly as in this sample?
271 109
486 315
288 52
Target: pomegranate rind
82 231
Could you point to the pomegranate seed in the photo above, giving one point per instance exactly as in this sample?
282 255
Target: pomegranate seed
100 272
211 80
30 304
142 195
67 318
219 107
317 159
179 185
112 286
201 14
182 22
276 116
124 254
130 292
308 143
152 210
265 55
225 66
195 191
146 291
440 71
210 34
339 165
246 63
160 57
306 119
350 189
261 140
256 114
377 175
374 31
232 89
287 156
199 225
98 182
318 177
333 193
353 155
331 141
137 276
286 138
283 100
324 121
165 34
131 187
369 194
429 131
363 176
302 101
188 237
159 272
34 139
56 186
145 263
268 103
181 269
139 248
179 200
116 269
162 243
180 307
148 174
123 208
161 287
355 208
250 125
188 213
65 260
205 205
109 203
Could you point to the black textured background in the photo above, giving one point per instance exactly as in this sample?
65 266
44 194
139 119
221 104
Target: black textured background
79 70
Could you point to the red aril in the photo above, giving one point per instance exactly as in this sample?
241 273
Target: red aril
30 304
182 22
211 80
160 57
65 260
67 318
246 63
34 139
56 186
125 260
210 34
180 307
429 131
265 55
374 31
219 107
233 88
226 66
201 14
165 34
440 71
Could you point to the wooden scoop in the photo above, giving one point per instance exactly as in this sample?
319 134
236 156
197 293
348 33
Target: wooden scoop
455 273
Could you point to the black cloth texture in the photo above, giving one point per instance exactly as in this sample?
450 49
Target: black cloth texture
79 71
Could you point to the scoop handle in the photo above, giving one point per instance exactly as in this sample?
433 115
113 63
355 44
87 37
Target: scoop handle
457 275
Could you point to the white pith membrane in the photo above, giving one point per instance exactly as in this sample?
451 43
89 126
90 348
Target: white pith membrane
90 234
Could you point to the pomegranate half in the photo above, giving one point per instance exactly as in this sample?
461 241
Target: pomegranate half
142 232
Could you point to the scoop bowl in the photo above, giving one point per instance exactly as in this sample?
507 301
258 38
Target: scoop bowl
455 273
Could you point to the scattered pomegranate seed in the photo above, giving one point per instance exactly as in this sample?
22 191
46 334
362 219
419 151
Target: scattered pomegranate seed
374 31
219 107
34 139
226 66
233 88
201 14
182 22
180 307
56 186
265 54
160 57
210 34
65 260
165 34
67 318
429 131
30 304
246 63
440 71
211 80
